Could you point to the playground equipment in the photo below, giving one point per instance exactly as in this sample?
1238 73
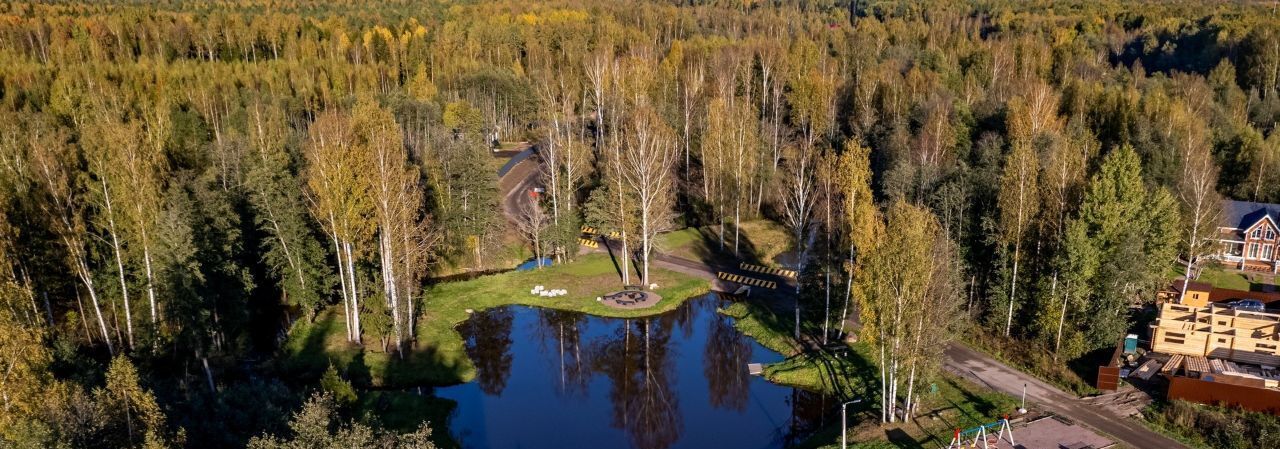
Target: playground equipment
981 437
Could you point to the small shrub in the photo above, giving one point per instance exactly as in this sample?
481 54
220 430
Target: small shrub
340 388
1217 427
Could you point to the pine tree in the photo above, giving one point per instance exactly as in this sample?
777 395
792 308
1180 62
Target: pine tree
295 256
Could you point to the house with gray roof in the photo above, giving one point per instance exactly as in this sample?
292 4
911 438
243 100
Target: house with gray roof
1248 236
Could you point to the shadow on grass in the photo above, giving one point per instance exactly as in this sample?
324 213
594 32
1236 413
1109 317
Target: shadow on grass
467 275
423 365
900 438
979 408
614 258
308 359
712 253
1086 366
308 353
405 411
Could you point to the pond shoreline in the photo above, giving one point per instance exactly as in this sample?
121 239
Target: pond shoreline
494 343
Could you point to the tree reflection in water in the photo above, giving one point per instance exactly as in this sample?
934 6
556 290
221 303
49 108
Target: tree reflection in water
605 382
561 334
810 411
724 362
488 343
637 361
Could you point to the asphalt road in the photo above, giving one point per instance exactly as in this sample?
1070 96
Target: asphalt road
960 360
980 368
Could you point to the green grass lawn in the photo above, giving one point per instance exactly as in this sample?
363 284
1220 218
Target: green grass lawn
688 243
509 251
439 357
1221 278
948 403
760 241
1213 274
509 144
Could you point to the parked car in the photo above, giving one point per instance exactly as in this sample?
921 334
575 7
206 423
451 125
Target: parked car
1248 305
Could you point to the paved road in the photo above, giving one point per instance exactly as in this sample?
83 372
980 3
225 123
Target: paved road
515 184
979 367
960 359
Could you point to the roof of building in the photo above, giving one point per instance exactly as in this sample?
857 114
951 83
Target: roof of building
1195 286
1224 295
1243 214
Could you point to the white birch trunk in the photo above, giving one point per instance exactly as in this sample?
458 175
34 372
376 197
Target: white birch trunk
1013 288
355 297
86 278
848 294
342 279
151 290
115 246
389 283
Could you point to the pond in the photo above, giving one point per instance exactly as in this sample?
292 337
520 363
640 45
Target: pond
534 263
553 379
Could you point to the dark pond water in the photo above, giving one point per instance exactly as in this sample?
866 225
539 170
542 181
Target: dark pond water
551 379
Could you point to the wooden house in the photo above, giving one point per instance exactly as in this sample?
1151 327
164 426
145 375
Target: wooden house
1249 237
1217 332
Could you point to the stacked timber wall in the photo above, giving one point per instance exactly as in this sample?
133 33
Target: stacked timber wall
1219 332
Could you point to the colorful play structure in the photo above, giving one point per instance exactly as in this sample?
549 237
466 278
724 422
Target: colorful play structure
982 437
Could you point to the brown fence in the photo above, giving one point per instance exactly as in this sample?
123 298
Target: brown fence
1208 392
1108 378
1109 374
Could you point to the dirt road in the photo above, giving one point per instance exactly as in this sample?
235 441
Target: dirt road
518 181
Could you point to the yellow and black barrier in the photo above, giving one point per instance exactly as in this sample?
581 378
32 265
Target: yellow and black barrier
588 230
589 243
767 270
747 281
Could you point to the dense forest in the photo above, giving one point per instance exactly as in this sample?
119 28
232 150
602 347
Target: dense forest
180 182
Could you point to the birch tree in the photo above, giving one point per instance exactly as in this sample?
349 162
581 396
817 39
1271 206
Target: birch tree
862 223
146 171
714 149
691 81
798 200
648 158
15 288
811 95
532 224
908 294
1018 202
564 154
1201 205
743 159
396 199
1262 169
598 69
109 144
65 206
339 200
